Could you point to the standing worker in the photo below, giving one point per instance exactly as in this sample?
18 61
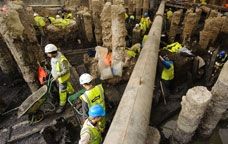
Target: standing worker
90 132
40 23
61 74
167 74
93 94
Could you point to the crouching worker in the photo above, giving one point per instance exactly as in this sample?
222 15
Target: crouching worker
90 132
60 70
93 95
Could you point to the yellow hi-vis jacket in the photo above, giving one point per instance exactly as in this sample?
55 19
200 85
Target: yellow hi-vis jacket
66 76
174 47
168 74
39 21
169 14
94 96
95 134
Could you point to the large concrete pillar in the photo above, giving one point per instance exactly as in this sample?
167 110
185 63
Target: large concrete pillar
210 31
218 104
119 33
7 62
194 105
106 23
131 121
175 24
19 35
97 6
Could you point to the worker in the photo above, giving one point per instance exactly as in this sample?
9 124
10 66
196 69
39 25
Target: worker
93 94
169 14
61 74
221 58
136 34
60 22
174 47
167 75
51 19
39 20
90 132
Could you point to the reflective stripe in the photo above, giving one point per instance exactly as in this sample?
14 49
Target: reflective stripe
65 77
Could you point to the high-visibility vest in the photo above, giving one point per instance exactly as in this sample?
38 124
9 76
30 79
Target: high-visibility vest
168 74
65 77
169 14
95 134
94 96
126 16
39 21
174 47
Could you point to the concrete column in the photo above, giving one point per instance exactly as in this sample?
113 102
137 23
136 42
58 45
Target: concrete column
194 105
7 62
131 121
175 24
97 6
119 33
189 25
20 38
106 23
218 104
210 31
138 8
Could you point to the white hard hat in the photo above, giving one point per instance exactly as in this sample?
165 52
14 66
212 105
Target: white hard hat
50 48
35 14
85 78
137 25
57 16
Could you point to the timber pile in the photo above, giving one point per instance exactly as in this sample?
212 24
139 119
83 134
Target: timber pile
210 32
20 38
175 24
106 23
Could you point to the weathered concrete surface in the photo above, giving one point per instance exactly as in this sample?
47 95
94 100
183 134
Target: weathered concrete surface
106 23
130 124
97 6
211 30
7 62
19 35
175 24
194 105
218 104
119 33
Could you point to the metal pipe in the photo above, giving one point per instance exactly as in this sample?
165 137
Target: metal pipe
131 121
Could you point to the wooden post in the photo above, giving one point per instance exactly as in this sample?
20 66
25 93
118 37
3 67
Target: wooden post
20 38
